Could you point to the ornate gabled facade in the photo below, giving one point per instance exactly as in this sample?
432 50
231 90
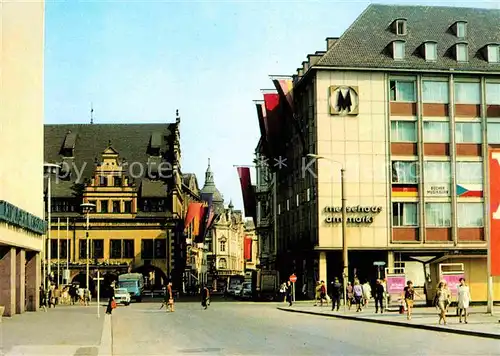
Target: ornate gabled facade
131 173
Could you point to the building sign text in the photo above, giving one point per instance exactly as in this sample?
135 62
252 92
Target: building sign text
363 214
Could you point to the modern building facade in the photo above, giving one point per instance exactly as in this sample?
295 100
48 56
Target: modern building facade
21 172
407 102
131 173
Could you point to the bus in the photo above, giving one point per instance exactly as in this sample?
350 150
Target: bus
133 283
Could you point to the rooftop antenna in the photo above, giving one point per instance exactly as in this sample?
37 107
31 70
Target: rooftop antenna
91 113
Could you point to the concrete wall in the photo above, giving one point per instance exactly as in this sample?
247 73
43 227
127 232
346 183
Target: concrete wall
359 143
21 113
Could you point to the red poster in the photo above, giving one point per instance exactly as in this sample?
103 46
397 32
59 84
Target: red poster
494 182
248 248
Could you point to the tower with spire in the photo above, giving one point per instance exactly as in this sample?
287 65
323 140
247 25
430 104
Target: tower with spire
210 188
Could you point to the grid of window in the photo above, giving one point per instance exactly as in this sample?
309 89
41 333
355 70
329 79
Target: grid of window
435 92
405 214
104 206
402 90
468 132
469 172
436 131
404 172
437 172
467 93
470 214
438 214
403 131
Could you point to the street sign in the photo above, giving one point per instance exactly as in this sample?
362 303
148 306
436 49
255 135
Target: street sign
98 279
293 278
379 263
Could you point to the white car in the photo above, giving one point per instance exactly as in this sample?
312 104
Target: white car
122 296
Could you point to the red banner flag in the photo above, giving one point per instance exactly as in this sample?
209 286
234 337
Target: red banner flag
494 182
194 212
248 248
249 201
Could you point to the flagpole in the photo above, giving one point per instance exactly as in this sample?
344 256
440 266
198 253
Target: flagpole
58 252
67 250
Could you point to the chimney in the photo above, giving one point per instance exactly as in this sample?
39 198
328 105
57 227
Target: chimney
305 66
300 72
330 41
313 59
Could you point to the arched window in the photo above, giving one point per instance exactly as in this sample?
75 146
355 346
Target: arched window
222 263
222 246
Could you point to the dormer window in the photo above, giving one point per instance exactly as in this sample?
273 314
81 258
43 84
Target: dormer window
493 53
461 29
398 50
430 51
462 52
399 27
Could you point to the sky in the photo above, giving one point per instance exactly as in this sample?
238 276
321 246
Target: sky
138 62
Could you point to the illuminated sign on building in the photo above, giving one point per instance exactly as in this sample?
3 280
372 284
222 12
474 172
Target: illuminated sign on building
358 214
344 100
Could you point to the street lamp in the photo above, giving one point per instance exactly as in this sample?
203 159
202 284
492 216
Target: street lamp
49 168
87 208
345 258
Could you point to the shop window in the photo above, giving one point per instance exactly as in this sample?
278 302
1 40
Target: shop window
438 215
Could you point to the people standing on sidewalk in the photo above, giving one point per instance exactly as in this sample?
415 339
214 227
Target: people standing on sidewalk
52 299
43 299
358 295
170 297
367 293
409 298
322 293
336 293
205 297
379 296
463 299
443 300
283 291
350 294
57 295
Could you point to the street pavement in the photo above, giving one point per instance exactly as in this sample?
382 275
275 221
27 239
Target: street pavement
65 330
479 322
246 328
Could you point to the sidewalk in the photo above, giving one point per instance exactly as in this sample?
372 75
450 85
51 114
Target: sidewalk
480 324
65 330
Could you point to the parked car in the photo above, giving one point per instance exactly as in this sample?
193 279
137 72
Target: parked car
238 289
233 289
246 291
122 296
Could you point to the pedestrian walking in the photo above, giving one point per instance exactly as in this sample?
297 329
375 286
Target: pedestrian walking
289 293
367 293
442 300
336 293
379 296
51 297
111 304
205 297
317 293
170 297
409 298
350 294
43 299
463 300
322 293
358 295
283 291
